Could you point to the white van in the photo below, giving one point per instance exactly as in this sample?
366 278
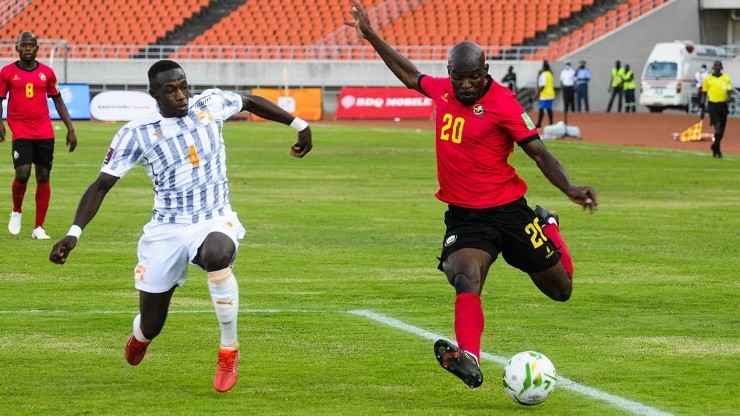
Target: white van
668 77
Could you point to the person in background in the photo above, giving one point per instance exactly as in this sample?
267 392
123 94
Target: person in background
510 79
182 148
629 86
28 82
546 93
718 93
699 78
615 86
567 83
583 76
478 122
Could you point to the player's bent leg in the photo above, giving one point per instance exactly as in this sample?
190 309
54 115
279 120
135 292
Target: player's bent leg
147 324
554 282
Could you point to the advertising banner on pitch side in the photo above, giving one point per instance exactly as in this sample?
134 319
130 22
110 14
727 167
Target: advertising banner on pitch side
382 103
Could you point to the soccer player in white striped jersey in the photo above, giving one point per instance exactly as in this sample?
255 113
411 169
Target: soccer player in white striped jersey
182 149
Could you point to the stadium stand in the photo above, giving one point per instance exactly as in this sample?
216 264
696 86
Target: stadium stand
311 29
93 22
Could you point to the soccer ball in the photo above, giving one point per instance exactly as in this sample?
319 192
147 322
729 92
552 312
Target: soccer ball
529 378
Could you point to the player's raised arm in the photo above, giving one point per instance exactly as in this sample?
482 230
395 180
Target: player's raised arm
87 208
264 108
401 67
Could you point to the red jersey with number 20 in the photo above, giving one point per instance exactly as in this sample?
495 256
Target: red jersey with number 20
474 143
28 111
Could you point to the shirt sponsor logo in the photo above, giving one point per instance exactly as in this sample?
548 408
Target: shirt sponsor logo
527 121
478 110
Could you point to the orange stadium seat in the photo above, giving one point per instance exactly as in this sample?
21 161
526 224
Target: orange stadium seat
304 23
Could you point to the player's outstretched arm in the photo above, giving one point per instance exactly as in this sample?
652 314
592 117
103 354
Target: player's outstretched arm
401 67
86 210
264 108
584 196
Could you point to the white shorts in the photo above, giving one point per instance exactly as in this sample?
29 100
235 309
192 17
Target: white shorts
166 249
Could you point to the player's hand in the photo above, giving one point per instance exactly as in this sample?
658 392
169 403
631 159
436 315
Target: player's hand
362 21
61 249
71 141
303 145
584 196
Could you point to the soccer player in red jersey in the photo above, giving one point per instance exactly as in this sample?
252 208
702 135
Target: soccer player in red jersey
28 83
478 121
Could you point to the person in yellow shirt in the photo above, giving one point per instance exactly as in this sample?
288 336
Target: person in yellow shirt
629 86
718 91
615 87
546 92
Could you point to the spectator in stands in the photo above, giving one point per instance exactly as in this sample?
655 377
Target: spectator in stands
510 79
546 93
28 83
629 86
718 93
583 76
182 148
615 86
568 85
699 78
478 123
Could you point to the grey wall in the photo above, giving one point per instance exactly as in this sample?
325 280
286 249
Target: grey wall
633 43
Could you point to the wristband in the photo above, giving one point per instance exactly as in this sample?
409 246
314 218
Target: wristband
299 124
75 231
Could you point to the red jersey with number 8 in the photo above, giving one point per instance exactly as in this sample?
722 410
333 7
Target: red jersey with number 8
474 142
28 111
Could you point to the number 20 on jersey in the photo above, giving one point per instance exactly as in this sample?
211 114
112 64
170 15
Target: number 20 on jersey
452 128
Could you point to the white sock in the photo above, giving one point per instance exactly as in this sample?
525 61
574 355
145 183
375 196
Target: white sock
137 330
225 295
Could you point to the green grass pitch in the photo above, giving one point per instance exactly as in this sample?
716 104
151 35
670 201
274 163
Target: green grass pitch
653 320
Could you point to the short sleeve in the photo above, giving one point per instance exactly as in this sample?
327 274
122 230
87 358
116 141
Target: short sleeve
123 154
51 90
223 103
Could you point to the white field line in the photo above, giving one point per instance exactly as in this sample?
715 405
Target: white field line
615 401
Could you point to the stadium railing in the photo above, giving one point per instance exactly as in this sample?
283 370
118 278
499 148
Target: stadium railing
61 49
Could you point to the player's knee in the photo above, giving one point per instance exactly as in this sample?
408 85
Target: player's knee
562 293
464 283
22 177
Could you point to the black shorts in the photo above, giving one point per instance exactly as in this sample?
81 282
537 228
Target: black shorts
38 152
512 230
717 112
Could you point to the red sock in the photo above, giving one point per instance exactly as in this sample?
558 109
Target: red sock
552 232
18 192
43 194
469 323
